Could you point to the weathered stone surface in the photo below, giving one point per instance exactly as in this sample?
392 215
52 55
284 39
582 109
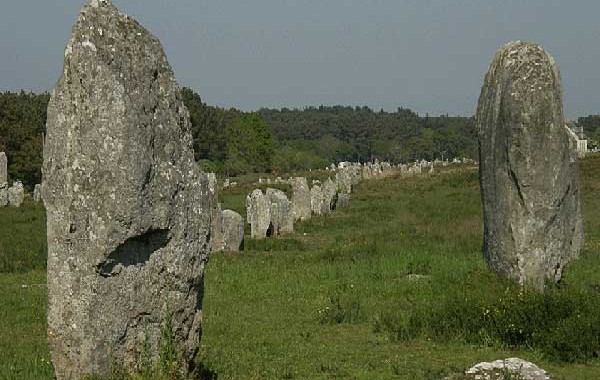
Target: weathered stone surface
3 169
282 216
16 194
356 174
37 193
317 201
329 194
367 172
300 198
233 231
507 368
377 168
4 196
343 200
3 180
404 169
528 174
343 181
128 212
258 214
216 226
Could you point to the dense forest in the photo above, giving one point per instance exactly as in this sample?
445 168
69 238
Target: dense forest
360 134
232 142
22 127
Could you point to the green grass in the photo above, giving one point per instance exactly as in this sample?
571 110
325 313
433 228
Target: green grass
393 287
22 238
23 348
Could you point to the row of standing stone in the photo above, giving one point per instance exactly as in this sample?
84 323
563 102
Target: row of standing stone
272 214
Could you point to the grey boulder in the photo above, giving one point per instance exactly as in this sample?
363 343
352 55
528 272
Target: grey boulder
512 368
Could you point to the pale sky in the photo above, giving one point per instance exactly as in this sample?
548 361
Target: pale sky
427 55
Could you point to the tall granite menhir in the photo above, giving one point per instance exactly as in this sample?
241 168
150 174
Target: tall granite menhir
128 211
3 180
528 174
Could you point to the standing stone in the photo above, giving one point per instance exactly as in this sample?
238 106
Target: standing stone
329 194
386 167
3 180
343 200
316 200
282 216
377 168
3 170
343 180
258 214
16 194
404 169
528 174
354 173
216 227
4 195
233 231
37 193
128 213
300 198
366 172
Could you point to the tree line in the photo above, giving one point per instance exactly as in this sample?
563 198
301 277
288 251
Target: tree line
337 133
232 142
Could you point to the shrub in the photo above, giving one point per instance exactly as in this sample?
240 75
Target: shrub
563 324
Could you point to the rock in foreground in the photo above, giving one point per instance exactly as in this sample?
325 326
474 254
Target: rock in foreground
528 174
128 211
511 368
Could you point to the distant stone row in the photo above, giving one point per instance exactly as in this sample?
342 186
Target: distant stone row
369 170
15 194
273 214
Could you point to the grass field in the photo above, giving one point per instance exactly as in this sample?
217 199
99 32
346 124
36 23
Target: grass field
393 287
